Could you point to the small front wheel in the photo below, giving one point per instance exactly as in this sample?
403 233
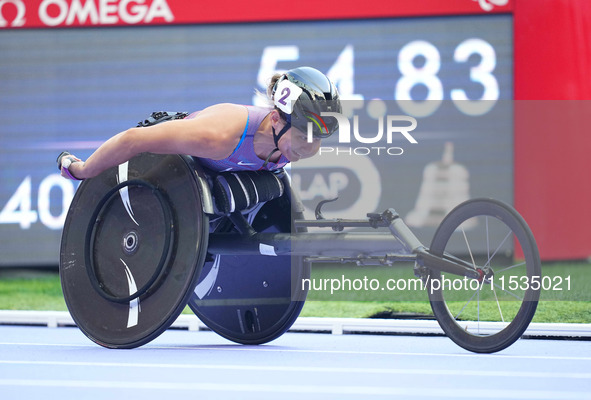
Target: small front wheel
488 314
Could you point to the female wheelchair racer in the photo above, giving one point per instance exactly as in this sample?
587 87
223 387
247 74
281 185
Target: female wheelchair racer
164 230
214 232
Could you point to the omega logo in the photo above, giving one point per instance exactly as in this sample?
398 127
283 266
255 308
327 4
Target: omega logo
19 20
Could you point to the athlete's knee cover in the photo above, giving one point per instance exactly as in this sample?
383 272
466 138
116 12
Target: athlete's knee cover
239 191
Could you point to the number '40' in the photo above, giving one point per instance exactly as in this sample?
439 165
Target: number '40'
18 209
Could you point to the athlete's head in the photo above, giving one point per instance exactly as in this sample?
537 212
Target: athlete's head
300 96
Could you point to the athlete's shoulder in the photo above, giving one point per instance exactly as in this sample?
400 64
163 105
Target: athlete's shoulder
224 108
260 109
223 117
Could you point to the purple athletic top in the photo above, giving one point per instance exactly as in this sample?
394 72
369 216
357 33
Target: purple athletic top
244 158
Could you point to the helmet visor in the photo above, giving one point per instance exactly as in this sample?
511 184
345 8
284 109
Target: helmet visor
310 115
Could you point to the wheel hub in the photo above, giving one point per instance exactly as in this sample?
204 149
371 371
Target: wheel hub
130 242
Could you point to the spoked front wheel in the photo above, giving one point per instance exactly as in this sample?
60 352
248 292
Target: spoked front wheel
488 314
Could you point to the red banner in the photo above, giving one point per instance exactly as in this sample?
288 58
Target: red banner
552 119
86 13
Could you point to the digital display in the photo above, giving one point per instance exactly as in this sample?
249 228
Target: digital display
71 89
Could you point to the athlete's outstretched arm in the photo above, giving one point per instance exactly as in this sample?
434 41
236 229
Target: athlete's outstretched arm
213 133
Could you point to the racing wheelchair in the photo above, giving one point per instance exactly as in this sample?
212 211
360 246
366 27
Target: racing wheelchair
143 240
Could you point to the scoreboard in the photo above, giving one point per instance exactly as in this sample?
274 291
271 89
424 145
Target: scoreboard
73 73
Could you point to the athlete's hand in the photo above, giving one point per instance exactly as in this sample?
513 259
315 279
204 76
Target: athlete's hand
64 162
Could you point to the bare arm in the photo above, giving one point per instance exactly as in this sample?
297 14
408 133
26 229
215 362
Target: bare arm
214 133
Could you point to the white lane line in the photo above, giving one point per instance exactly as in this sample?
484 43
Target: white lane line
408 392
330 370
48 344
369 353
313 351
